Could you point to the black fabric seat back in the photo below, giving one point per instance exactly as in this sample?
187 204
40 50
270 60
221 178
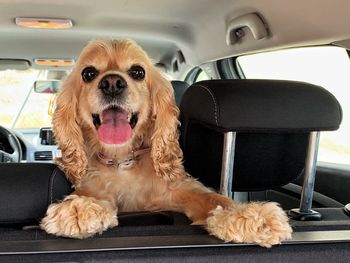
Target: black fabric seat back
272 121
27 189
279 158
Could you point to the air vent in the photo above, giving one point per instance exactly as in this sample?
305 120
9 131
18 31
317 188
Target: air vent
43 156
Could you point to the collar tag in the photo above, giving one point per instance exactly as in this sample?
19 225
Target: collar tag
126 164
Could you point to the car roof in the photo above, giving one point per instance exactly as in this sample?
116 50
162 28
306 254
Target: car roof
167 30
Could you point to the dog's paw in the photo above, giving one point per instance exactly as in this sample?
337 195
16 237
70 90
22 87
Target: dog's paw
265 224
78 217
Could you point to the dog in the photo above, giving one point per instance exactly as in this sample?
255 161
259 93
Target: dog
116 123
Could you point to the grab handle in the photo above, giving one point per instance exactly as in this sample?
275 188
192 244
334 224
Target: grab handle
252 21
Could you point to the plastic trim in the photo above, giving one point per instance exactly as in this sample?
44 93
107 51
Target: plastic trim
153 242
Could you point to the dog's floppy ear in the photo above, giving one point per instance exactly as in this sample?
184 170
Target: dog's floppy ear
68 133
165 150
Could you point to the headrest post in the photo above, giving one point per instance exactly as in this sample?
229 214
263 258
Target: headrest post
228 157
305 213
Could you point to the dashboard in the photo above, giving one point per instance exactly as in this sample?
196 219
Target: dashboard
37 146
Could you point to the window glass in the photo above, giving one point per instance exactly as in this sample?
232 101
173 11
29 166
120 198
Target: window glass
195 75
202 76
328 67
21 107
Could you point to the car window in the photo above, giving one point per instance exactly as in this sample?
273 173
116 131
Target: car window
201 76
326 66
195 75
21 107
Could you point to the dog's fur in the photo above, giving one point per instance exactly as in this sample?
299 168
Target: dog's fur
157 180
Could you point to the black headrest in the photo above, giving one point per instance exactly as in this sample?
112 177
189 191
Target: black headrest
179 89
27 189
257 105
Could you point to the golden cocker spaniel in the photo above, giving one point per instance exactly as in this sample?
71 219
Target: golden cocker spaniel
116 123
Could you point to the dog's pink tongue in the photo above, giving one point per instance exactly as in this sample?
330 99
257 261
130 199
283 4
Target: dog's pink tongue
115 128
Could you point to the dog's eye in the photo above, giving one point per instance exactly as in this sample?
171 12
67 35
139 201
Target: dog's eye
136 72
89 74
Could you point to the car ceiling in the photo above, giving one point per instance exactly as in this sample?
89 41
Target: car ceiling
163 27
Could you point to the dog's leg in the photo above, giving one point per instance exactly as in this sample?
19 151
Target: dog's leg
79 216
265 224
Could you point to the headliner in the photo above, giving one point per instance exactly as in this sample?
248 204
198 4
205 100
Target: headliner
196 27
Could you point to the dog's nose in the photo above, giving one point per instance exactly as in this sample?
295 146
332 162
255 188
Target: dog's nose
113 84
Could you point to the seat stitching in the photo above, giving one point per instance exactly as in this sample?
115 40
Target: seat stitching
214 100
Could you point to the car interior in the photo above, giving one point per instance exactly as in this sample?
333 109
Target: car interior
262 91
